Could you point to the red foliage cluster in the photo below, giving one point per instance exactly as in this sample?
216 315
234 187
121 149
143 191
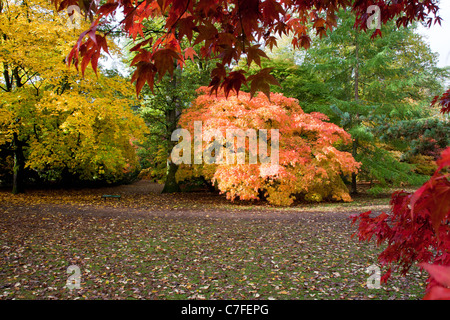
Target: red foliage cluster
225 29
417 230
444 101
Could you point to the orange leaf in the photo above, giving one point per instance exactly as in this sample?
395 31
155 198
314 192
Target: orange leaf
189 53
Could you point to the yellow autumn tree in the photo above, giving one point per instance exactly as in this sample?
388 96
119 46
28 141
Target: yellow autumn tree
53 120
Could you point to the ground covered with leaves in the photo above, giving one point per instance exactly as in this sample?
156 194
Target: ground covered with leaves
195 245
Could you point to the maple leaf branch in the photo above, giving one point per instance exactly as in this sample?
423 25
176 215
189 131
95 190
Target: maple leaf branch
151 31
121 21
179 17
112 29
148 31
242 27
173 25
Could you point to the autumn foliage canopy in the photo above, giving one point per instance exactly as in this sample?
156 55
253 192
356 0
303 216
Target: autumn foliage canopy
310 165
60 124
224 29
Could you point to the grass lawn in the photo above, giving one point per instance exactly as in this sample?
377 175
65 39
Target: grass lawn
188 246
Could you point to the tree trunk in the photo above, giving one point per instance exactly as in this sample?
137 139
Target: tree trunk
19 165
17 145
6 76
209 185
356 71
355 140
171 184
354 190
172 113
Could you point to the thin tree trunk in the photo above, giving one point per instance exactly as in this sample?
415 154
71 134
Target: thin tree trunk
354 190
355 141
16 76
8 81
19 165
171 184
17 145
356 71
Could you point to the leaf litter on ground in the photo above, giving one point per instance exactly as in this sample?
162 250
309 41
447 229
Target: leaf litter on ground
142 247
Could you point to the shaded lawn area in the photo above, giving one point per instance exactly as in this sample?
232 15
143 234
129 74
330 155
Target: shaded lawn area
188 246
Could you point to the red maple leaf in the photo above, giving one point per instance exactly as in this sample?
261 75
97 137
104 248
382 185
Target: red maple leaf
439 288
262 81
434 195
145 72
233 81
444 101
164 60
254 53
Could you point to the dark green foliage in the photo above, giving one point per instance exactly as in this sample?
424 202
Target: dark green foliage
382 167
427 136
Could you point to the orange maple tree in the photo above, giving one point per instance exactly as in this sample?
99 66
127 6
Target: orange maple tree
225 29
309 164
